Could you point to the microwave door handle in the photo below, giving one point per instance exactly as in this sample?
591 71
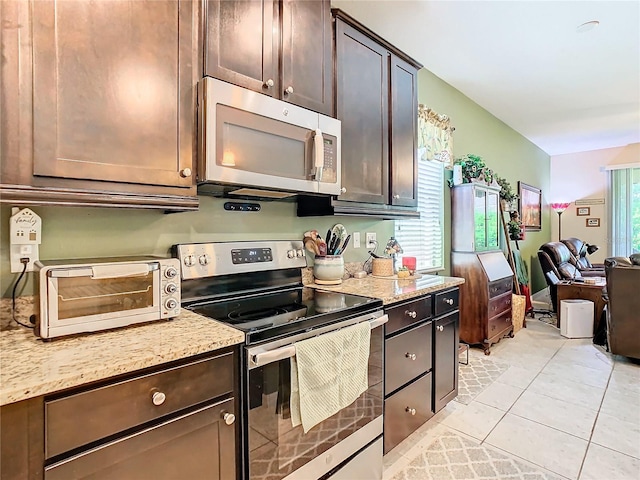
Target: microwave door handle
104 271
318 155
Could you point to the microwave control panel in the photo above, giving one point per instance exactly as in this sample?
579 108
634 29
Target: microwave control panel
330 154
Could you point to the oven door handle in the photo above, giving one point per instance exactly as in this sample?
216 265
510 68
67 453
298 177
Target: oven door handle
288 351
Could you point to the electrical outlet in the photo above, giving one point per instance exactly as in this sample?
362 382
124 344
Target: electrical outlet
356 239
371 240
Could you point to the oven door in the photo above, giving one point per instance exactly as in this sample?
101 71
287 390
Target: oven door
277 450
91 298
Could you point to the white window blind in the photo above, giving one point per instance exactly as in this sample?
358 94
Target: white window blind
423 238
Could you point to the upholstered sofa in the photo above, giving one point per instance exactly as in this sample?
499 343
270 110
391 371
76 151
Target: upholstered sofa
623 305
579 250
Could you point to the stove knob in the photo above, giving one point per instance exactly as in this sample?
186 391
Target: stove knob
189 260
291 253
204 259
170 272
170 304
171 288
300 253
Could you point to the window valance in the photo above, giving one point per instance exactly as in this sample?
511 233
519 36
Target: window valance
435 136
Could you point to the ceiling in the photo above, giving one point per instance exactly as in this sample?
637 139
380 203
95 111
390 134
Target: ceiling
526 63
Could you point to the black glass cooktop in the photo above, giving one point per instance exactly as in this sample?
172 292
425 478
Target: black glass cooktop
270 315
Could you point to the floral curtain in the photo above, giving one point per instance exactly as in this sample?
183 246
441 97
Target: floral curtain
435 136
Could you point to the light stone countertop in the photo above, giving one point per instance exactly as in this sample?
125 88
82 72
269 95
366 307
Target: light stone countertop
392 290
30 367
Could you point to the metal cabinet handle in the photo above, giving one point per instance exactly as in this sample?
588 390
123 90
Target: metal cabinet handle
440 328
396 196
185 172
269 83
343 190
158 398
448 301
229 418
410 356
410 410
411 313
289 90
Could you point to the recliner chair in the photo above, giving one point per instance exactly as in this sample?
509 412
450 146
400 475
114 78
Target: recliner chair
623 307
579 250
555 260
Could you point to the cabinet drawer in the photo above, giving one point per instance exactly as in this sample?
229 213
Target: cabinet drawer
499 325
406 314
499 304
406 410
78 419
141 455
500 287
446 301
407 356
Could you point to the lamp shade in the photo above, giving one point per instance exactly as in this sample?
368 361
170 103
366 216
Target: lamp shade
560 207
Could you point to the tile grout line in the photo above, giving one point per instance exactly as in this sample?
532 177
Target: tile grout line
593 427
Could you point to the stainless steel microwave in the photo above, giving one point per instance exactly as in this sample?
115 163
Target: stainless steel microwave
251 140
88 295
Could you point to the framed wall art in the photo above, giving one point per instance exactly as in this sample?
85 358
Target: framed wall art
530 204
583 211
593 222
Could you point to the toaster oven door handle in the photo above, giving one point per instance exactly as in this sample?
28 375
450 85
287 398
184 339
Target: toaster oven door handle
105 271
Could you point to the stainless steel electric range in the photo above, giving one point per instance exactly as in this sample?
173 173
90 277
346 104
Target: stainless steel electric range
257 287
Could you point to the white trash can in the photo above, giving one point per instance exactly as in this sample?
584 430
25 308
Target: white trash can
576 318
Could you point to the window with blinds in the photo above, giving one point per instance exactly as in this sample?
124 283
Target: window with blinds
423 238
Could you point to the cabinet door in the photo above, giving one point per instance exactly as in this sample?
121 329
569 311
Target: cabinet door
113 90
480 219
404 118
241 46
492 220
362 70
307 65
445 360
196 445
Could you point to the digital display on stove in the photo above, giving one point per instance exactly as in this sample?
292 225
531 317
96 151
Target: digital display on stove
251 255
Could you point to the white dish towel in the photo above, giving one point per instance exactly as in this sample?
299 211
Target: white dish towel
328 373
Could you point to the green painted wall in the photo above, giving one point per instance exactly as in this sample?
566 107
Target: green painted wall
503 149
70 232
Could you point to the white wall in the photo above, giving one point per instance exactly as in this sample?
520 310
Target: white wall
582 175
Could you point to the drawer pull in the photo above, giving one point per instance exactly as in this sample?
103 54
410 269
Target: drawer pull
411 313
410 410
448 301
440 328
158 398
410 356
229 418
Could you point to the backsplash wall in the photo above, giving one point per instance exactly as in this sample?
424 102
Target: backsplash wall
70 232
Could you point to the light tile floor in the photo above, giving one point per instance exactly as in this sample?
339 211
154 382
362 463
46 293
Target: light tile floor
565 407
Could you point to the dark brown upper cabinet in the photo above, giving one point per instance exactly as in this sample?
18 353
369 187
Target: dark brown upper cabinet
377 102
100 103
279 48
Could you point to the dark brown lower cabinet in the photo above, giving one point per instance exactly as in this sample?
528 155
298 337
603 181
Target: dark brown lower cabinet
176 420
182 447
421 362
406 410
445 370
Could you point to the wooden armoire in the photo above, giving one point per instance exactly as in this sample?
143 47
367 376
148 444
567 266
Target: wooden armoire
485 300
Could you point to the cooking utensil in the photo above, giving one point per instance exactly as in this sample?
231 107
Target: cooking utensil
310 246
341 249
334 245
338 230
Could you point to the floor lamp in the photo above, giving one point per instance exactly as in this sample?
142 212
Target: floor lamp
559 208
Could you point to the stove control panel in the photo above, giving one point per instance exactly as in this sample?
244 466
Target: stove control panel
199 260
